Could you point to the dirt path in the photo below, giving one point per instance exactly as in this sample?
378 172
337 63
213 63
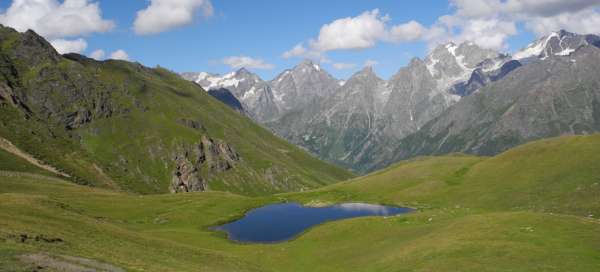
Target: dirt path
11 148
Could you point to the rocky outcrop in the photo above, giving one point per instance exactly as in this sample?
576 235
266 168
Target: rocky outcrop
187 177
218 156
196 166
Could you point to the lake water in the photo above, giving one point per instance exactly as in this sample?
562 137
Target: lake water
281 222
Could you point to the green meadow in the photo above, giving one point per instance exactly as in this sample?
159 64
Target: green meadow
533 208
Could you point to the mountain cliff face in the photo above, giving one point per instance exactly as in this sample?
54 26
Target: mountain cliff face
556 93
254 94
302 85
346 122
121 125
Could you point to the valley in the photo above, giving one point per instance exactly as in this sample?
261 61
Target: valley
526 209
441 152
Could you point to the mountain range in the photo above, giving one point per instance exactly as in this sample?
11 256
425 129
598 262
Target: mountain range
459 98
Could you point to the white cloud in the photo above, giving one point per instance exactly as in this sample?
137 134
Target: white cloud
410 31
297 51
362 31
358 32
237 62
69 46
371 63
487 33
343 66
58 21
547 8
98 54
490 23
119 55
585 22
53 19
162 15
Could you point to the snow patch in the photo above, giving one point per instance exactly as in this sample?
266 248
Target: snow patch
431 63
535 49
452 48
565 52
250 93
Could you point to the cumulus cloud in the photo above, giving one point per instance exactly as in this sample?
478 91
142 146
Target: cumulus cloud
585 21
119 55
490 23
410 31
162 15
98 54
69 46
53 19
298 50
362 31
358 32
237 62
62 23
343 66
488 33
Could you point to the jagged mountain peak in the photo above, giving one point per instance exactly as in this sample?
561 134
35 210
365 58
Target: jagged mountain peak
308 65
558 43
450 63
243 71
366 72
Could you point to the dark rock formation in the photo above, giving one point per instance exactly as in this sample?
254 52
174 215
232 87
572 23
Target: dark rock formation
195 168
187 177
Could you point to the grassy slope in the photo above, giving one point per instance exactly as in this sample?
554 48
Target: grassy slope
132 145
525 210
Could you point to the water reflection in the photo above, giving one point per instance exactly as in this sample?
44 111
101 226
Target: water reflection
281 222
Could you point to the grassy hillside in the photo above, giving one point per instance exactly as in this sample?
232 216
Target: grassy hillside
120 125
533 208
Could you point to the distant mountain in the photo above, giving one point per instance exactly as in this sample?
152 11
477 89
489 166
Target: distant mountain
557 92
254 94
302 85
560 43
121 125
360 123
337 126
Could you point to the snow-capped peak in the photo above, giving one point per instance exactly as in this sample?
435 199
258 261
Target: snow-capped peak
561 43
535 49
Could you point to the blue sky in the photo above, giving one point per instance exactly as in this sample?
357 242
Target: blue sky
266 29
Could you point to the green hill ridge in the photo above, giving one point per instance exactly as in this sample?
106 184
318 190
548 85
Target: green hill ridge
123 126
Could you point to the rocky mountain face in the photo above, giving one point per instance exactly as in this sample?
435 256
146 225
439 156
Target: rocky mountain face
345 121
556 92
124 126
253 94
361 123
301 86
336 126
